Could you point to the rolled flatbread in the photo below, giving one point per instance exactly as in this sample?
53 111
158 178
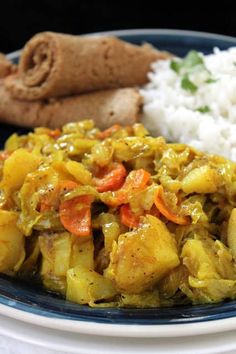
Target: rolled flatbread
106 108
54 65
6 67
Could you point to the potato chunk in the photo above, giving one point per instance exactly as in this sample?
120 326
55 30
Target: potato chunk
203 179
12 251
142 257
231 233
85 286
16 168
60 252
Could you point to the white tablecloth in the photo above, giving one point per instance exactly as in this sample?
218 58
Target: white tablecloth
12 346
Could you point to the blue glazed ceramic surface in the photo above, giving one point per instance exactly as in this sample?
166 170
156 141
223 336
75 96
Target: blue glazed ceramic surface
34 300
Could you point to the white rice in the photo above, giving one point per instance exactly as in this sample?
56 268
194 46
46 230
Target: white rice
169 110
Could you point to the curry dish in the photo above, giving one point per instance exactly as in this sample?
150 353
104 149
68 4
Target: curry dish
117 217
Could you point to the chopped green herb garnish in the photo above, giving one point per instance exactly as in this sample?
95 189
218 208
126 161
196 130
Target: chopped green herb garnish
190 66
234 63
188 85
192 61
203 109
211 81
175 65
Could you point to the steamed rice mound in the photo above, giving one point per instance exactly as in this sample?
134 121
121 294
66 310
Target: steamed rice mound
202 115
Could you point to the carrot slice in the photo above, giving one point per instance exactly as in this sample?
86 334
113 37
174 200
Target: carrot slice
108 132
54 133
75 215
110 178
137 179
127 217
160 204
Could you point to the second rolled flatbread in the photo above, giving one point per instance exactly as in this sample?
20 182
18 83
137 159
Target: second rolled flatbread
54 65
106 108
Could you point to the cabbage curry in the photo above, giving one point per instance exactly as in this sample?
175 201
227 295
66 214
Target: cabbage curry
117 217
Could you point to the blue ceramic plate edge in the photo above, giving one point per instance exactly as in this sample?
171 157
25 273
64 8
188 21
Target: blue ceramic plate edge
138 31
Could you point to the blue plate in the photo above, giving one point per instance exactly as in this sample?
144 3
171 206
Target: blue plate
26 297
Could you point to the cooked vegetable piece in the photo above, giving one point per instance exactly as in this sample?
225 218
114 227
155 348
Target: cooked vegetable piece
38 190
61 252
79 172
75 215
51 199
203 179
199 259
132 147
55 251
111 229
142 257
21 162
85 286
145 300
12 252
127 217
108 132
82 252
212 273
231 233
30 266
164 210
135 181
110 178
170 284
67 185
209 290
55 134
102 153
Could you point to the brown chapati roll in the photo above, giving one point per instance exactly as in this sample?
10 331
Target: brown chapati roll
54 65
6 67
106 108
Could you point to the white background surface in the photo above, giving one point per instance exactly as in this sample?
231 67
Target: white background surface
12 346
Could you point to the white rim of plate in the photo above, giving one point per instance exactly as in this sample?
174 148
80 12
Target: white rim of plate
122 330
131 330
86 344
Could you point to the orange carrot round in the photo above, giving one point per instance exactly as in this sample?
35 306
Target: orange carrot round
108 132
75 215
110 178
55 134
163 208
137 179
127 217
